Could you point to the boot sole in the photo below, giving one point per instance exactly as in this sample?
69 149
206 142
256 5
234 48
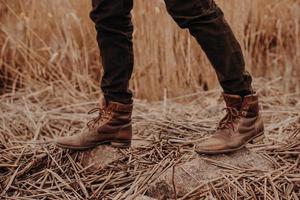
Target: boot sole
259 137
117 144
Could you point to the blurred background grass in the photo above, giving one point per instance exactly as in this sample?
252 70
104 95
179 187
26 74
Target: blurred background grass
53 42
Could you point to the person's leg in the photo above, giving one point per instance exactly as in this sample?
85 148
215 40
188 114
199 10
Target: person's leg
206 23
113 124
243 123
112 19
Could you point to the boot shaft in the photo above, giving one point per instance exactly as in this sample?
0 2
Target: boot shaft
117 110
248 105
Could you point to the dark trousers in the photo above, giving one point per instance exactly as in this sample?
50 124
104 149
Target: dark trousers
206 23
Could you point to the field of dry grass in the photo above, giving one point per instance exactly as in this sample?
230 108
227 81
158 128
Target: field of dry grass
49 78
31 167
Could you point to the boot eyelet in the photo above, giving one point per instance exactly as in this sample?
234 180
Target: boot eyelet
244 113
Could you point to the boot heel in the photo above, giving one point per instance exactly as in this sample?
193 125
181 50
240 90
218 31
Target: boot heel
258 139
121 144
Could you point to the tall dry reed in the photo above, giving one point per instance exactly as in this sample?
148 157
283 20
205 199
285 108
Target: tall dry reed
48 42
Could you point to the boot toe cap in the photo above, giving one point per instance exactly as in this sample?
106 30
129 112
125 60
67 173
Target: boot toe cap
211 145
67 142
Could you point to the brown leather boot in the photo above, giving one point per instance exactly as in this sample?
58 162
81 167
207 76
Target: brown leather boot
242 124
112 126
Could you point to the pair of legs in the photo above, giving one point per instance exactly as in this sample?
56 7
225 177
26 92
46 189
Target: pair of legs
206 23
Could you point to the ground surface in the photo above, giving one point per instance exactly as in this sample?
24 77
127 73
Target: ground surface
161 163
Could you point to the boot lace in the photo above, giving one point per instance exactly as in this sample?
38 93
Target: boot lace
103 116
228 121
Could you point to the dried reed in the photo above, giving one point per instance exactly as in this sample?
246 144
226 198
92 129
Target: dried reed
32 168
46 41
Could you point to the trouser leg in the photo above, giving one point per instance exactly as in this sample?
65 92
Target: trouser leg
206 23
112 19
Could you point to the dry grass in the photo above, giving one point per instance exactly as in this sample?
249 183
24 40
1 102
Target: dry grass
48 41
31 168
